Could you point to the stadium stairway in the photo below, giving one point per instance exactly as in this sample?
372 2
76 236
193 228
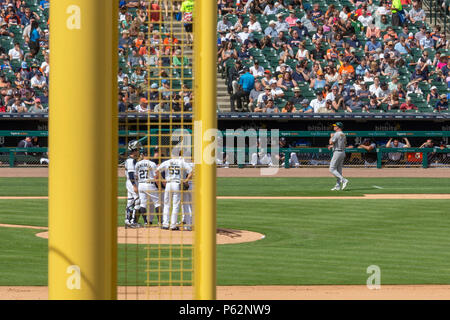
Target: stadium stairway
223 98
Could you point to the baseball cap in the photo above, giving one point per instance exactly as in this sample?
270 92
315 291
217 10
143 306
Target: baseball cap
154 86
24 65
272 22
298 21
267 71
267 88
433 88
272 81
37 100
164 81
305 101
443 96
338 124
143 100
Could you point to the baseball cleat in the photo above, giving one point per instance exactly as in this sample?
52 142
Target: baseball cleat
344 183
336 189
165 227
175 228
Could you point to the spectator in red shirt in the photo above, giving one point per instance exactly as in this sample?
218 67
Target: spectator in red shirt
408 105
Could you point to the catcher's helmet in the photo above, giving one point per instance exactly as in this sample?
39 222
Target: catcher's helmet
134 146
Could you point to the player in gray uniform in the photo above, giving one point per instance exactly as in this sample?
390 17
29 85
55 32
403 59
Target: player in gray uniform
338 142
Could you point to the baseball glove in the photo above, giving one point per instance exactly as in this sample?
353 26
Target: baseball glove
185 185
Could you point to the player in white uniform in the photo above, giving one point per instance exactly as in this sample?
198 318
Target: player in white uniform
174 171
148 189
131 185
186 206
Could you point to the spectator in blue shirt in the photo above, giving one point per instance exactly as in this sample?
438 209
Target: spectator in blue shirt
372 45
442 104
402 47
246 84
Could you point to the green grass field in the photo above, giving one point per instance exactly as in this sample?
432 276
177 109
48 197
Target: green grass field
306 241
267 186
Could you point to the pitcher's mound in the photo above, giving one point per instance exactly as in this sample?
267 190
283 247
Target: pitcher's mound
155 235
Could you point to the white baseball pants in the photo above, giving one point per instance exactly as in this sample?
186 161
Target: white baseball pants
172 197
149 197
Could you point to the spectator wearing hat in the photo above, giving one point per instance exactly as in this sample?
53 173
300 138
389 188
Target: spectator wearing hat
38 81
347 69
262 99
442 104
291 19
301 29
37 107
319 82
318 103
270 31
305 107
281 25
433 95
142 106
4 30
153 96
298 97
255 93
265 81
276 91
256 70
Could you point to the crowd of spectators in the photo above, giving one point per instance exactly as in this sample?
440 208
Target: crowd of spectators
327 57
24 56
155 65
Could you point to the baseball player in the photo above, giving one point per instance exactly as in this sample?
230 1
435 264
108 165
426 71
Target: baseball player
174 169
148 189
186 207
338 142
131 184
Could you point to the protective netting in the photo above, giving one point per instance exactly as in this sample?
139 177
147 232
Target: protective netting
156 69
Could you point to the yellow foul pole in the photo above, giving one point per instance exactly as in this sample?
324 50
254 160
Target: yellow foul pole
83 150
205 16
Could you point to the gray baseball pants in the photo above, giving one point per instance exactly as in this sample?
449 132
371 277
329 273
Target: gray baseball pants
336 164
